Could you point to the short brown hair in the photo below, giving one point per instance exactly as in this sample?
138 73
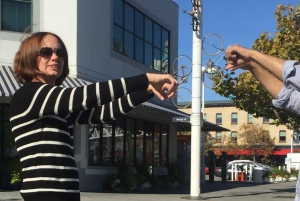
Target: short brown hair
26 59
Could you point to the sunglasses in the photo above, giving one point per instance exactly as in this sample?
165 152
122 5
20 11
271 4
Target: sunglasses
47 52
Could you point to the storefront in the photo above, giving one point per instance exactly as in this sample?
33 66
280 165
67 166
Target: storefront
144 137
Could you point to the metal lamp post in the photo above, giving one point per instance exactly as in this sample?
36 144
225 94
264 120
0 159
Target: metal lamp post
196 117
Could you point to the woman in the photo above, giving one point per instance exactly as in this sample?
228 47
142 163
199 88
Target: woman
42 114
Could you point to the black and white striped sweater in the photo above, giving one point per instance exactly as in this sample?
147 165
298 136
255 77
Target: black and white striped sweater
42 119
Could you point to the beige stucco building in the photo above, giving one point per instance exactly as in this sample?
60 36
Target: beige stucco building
225 114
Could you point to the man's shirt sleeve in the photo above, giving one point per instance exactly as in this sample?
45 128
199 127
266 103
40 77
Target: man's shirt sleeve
289 96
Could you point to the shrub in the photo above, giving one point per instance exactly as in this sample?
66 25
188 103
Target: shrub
15 170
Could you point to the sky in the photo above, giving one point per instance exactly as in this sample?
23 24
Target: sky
236 21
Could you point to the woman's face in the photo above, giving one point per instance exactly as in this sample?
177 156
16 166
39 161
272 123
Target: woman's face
50 63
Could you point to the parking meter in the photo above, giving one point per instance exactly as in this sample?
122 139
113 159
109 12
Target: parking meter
224 167
211 166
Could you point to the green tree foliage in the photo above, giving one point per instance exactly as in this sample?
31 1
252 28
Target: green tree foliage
257 140
245 91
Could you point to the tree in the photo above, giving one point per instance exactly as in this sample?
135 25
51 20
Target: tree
220 145
255 139
246 92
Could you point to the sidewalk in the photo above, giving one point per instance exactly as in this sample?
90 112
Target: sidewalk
217 191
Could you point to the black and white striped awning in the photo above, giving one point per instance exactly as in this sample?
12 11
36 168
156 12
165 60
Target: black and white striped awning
9 85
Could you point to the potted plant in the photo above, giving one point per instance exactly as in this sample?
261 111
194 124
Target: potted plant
293 175
143 182
286 177
267 177
278 178
174 180
123 182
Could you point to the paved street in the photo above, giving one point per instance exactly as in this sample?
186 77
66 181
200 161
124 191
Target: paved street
217 191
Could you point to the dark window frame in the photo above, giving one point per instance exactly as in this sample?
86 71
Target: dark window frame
219 120
250 116
282 139
22 22
234 120
219 137
266 120
158 57
124 161
233 139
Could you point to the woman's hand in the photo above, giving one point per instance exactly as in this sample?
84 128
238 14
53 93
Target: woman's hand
162 85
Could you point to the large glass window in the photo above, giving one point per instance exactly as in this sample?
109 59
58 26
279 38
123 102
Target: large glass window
128 141
130 136
282 136
139 143
94 144
219 118
149 144
107 144
15 15
139 37
119 129
164 145
157 140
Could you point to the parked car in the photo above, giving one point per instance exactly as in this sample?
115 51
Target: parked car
243 164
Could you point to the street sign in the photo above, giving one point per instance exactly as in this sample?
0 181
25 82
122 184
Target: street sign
181 119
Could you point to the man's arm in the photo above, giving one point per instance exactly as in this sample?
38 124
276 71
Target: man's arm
266 69
271 83
272 64
240 57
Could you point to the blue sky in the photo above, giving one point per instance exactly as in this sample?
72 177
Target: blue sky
236 21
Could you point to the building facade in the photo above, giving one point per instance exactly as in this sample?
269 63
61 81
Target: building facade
105 39
225 114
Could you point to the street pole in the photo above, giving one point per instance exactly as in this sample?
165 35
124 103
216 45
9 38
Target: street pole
196 119
203 135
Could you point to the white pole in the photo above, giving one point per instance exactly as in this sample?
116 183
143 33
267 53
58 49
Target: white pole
196 102
203 134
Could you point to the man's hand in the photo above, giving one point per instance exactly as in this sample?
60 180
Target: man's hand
238 57
162 85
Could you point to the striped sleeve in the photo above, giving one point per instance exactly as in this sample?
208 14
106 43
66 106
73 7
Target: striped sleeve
52 100
114 109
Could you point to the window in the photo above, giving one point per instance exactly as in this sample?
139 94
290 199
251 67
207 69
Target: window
164 145
130 136
6 138
234 118
157 148
265 120
282 136
219 118
218 137
139 37
250 119
233 136
15 15
132 141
